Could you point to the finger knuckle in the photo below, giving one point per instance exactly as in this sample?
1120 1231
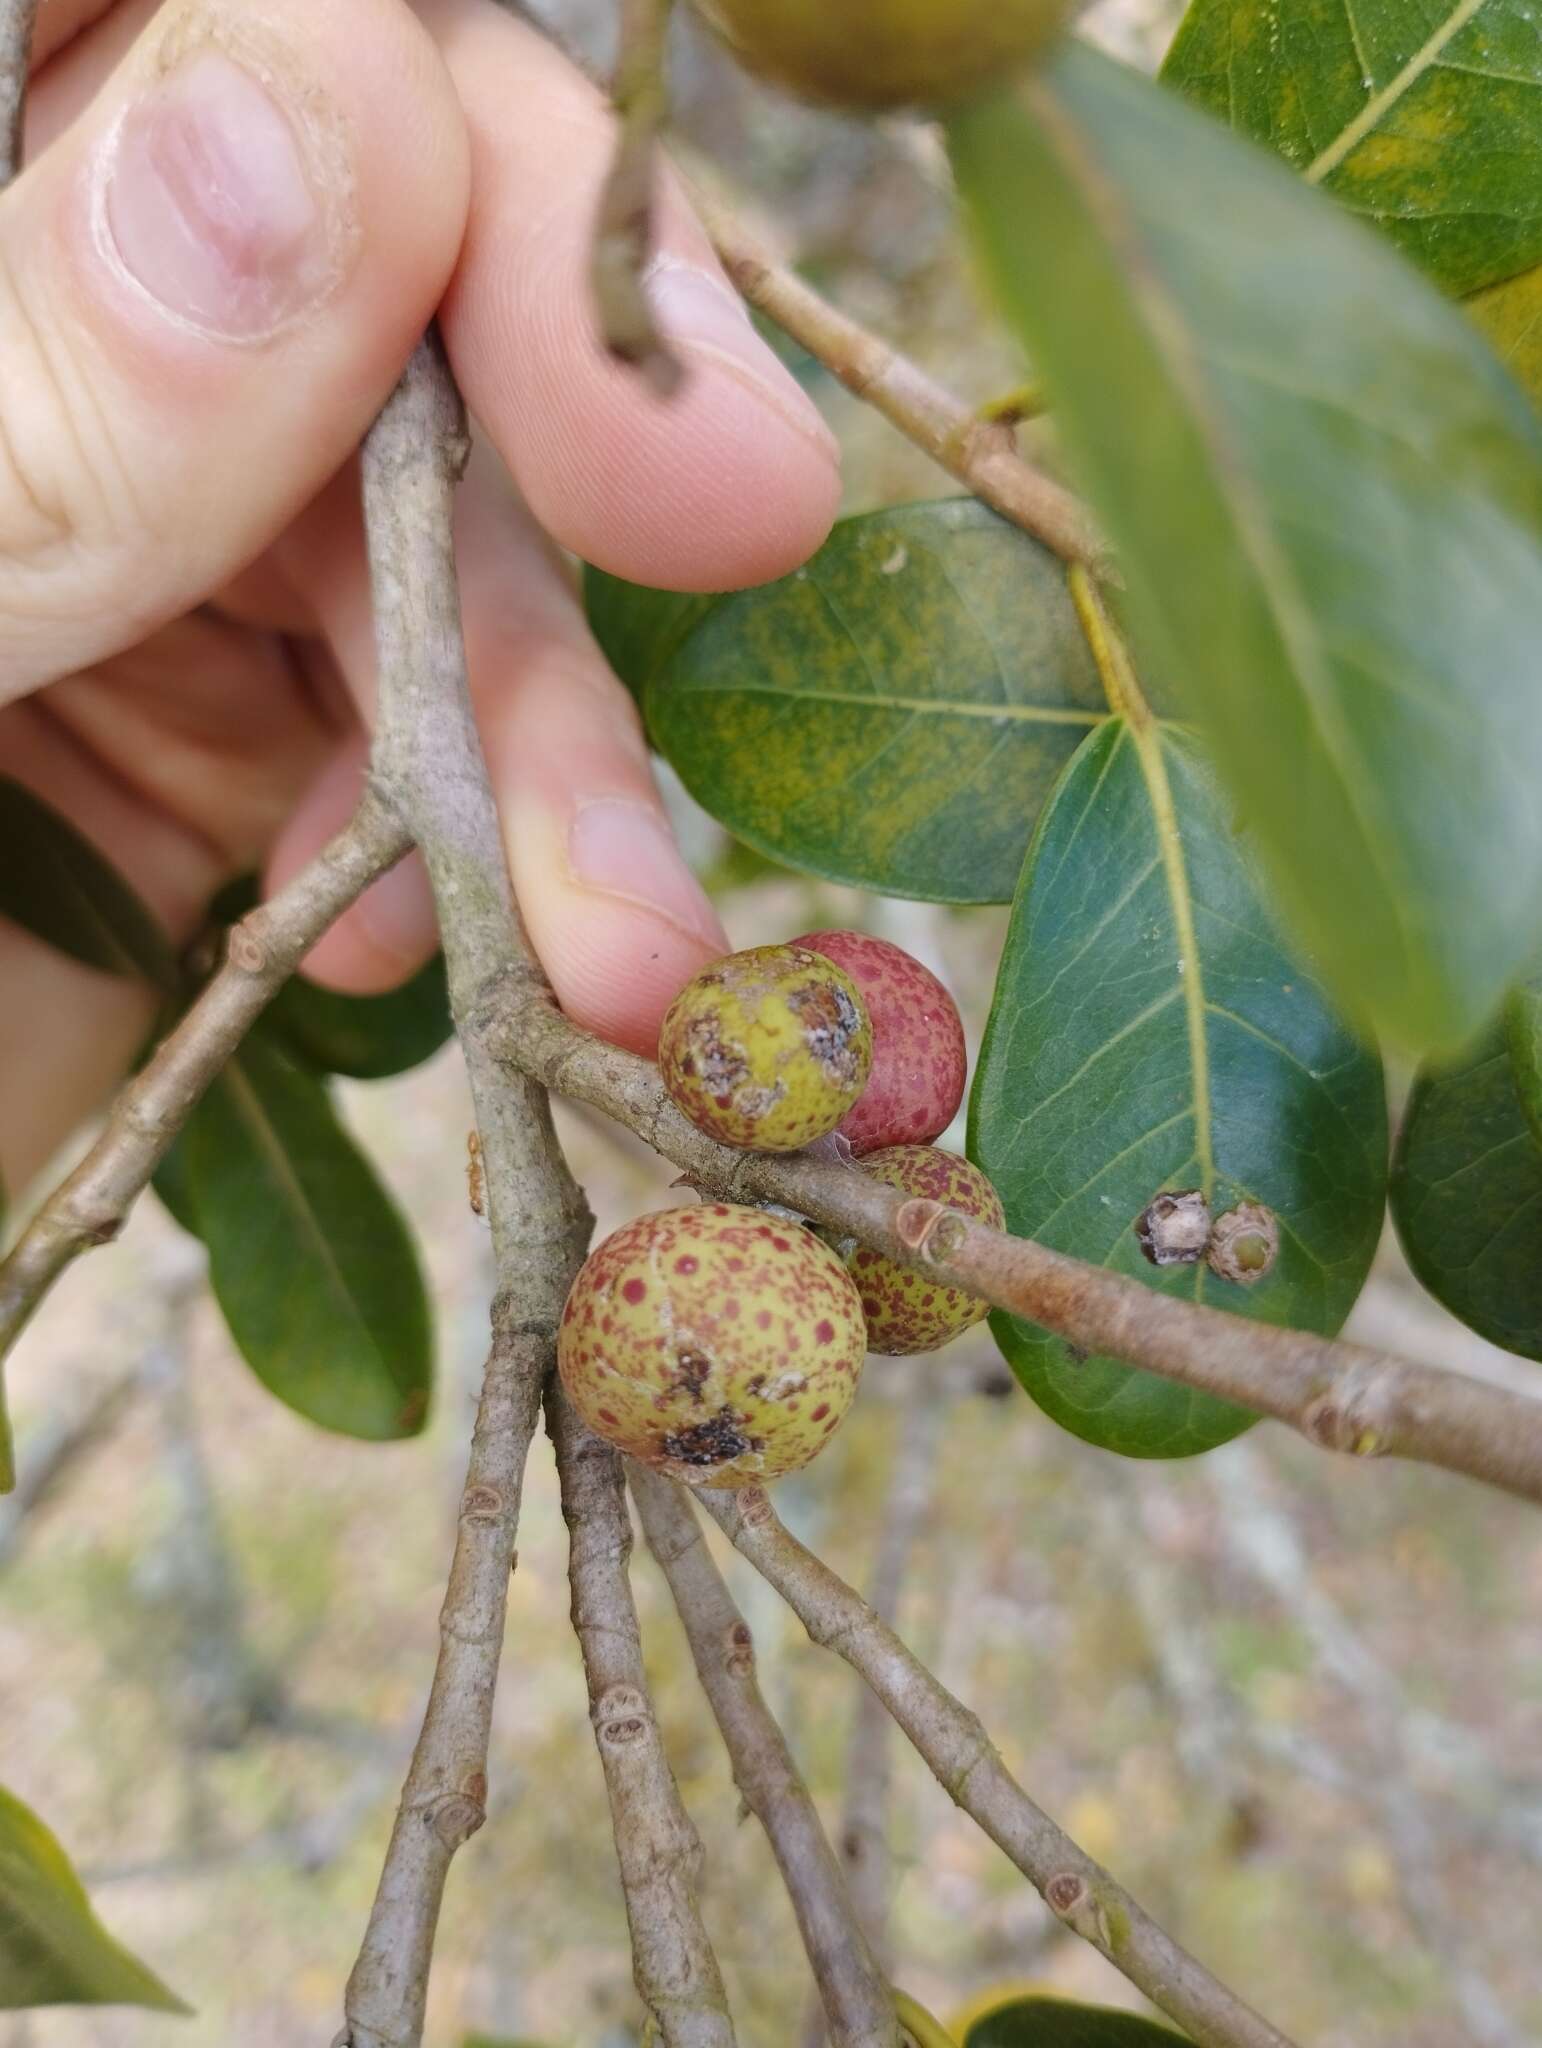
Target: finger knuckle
65 486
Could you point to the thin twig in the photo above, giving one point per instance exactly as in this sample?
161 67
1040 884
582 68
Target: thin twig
1340 1396
854 1998
981 454
657 1848
957 1749
623 235
864 1831
90 1206
17 19
428 763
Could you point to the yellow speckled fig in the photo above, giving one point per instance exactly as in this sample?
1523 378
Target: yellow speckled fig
908 1310
717 1344
884 53
767 1049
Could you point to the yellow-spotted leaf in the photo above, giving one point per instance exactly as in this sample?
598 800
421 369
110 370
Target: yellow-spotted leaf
1425 116
1327 498
53 1949
1150 1035
1510 314
891 715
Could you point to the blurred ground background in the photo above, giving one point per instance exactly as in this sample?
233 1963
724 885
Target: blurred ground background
1296 1705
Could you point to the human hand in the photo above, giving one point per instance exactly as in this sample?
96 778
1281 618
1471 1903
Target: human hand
235 220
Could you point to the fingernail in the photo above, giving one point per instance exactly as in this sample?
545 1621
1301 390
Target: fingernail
207 203
397 912
626 850
704 315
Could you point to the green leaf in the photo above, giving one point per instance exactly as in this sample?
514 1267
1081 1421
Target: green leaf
636 628
310 1259
1467 1195
892 715
368 1038
1328 499
1510 314
53 1949
1149 1032
1523 1035
1425 116
1057 2023
57 886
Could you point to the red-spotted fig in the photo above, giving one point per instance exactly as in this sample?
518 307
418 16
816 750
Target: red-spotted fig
716 1344
767 1049
919 1060
907 1309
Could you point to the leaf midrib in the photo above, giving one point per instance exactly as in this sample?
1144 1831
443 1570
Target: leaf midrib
250 1106
1354 132
1167 330
951 707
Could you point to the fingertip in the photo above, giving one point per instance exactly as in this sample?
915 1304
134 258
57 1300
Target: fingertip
616 970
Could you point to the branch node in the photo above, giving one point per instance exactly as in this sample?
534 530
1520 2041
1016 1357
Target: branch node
1338 1424
929 1229
754 1507
1071 1899
622 1716
458 1815
739 1654
481 1504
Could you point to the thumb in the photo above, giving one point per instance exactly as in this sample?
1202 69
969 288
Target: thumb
207 285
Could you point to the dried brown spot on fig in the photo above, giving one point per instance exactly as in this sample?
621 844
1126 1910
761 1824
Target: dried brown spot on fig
717 1442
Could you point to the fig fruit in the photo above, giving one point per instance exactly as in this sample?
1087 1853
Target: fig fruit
716 1344
767 1049
872 54
919 1059
909 1310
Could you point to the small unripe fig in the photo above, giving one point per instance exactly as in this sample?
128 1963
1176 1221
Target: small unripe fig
919 1060
767 1049
883 53
908 1310
716 1344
